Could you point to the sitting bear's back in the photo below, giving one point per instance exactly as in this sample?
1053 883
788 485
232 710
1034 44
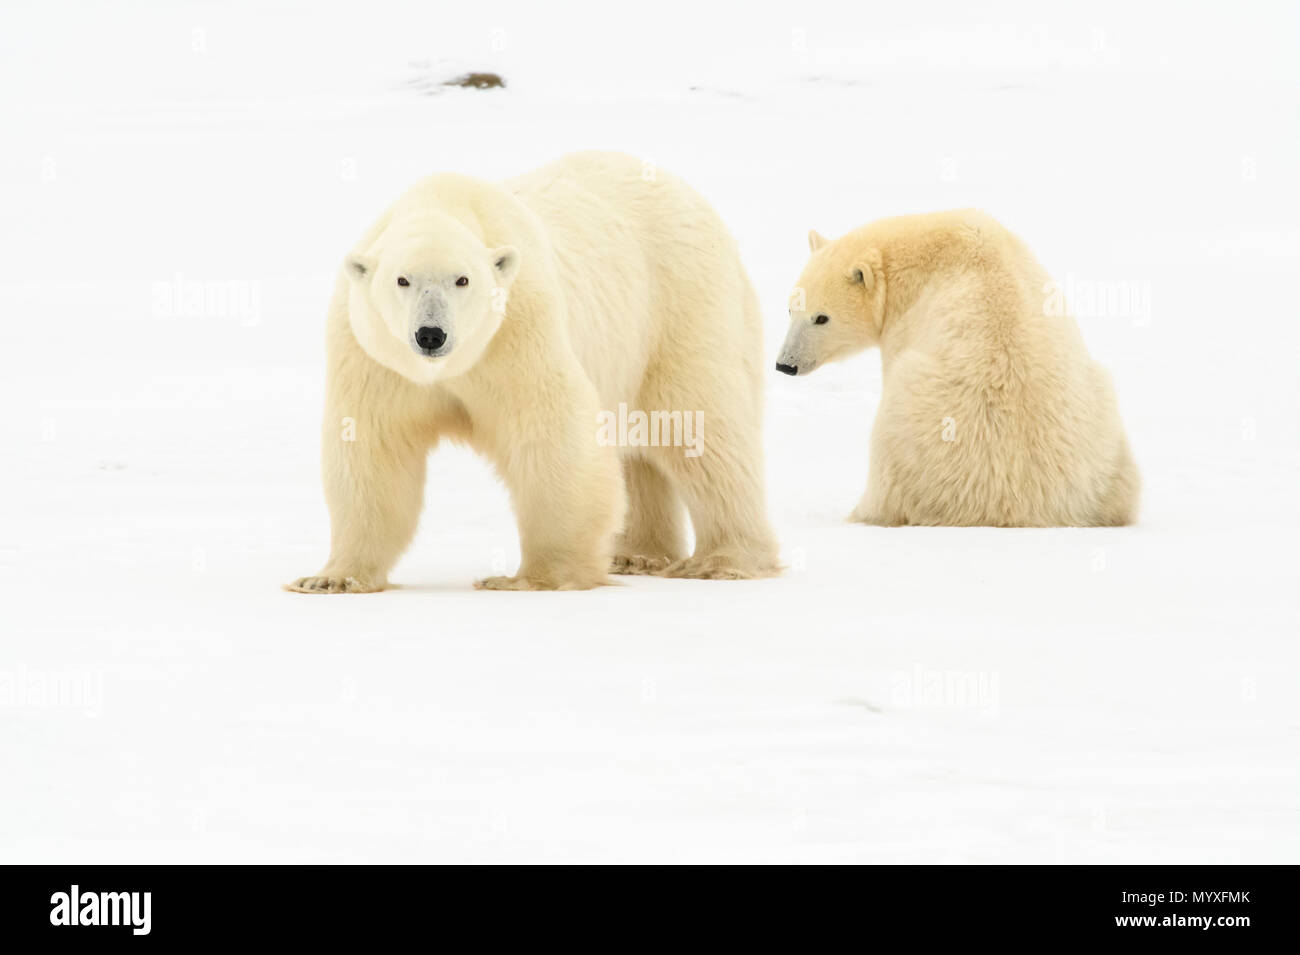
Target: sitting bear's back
1032 434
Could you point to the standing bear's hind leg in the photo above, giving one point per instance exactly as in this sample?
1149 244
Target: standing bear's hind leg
654 534
712 374
723 489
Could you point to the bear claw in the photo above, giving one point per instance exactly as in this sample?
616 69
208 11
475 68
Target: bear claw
326 584
638 564
532 583
717 567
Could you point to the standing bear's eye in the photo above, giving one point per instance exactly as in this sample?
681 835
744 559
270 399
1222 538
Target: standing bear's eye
821 319
462 281
401 280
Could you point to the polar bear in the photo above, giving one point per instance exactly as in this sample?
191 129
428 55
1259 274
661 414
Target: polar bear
992 412
522 318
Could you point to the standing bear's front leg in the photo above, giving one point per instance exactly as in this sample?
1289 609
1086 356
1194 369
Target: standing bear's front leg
374 486
567 490
375 440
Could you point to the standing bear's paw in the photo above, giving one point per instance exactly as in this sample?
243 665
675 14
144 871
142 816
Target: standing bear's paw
334 584
535 582
721 566
638 564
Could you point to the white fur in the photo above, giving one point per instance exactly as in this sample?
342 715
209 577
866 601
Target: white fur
616 287
992 411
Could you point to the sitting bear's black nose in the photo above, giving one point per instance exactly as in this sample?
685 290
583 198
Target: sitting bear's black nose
430 337
787 369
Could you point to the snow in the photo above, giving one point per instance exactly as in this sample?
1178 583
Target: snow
899 695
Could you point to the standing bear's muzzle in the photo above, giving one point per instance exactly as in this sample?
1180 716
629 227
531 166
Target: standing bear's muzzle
432 335
430 338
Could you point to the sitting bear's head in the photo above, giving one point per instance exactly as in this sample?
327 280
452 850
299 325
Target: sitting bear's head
428 296
837 307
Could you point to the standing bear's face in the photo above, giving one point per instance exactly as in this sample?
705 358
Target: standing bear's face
428 296
837 307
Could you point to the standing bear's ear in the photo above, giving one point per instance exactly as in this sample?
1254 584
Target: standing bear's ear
868 268
359 267
816 240
505 264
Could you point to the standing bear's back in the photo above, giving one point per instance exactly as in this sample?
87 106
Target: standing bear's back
642 257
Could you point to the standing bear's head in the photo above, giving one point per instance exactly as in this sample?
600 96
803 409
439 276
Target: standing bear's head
428 295
838 306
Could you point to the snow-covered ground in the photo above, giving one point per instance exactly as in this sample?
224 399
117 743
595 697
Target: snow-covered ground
178 183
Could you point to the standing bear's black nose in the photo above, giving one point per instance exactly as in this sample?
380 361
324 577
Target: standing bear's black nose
787 369
430 337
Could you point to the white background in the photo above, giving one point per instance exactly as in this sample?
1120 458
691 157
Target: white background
161 699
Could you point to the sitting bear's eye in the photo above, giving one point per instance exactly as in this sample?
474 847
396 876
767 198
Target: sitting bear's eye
821 319
462 281
401 280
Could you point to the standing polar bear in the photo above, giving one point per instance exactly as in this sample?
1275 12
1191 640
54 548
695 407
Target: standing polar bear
992 412
518 316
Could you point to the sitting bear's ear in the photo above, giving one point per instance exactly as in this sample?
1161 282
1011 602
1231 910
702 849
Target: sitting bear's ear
816 240
359 267
868 267
505 262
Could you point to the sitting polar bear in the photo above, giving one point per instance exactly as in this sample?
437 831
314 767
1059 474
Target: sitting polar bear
524 318
992 412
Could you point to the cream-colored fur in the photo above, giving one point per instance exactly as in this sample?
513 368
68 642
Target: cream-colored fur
992 412
590 282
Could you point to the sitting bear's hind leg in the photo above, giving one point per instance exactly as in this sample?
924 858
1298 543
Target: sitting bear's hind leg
1119 504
